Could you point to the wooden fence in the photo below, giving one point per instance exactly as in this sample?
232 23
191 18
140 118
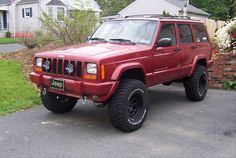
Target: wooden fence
213 25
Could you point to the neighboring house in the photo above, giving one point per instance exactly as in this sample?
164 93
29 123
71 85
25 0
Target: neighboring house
19 16
174 7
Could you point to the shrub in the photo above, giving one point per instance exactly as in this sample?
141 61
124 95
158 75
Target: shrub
36 39
8 34
232 29
73 29
230 85
223 37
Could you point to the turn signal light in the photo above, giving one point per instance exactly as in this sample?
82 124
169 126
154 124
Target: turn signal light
90 77
38 69
102 72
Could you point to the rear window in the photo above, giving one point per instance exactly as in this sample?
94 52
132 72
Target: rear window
185 33
200 33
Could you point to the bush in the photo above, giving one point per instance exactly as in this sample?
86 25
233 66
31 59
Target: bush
73 29
36 39
232 29
8 34
28 40
230 85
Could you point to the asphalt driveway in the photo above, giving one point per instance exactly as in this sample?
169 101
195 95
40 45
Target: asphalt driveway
7 48
175 128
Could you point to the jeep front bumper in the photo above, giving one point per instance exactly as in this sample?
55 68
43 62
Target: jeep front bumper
98 92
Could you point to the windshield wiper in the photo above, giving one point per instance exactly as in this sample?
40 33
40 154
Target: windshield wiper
98 39
123 40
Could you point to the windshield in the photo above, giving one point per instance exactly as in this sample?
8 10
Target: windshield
135 31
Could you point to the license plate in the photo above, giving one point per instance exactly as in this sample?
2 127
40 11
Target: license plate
57 84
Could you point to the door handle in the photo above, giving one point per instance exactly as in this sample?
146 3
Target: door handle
194 47
177 49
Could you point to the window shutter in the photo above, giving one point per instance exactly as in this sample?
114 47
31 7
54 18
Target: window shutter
23 12
31 12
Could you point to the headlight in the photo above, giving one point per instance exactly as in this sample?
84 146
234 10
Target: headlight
39 62
92 68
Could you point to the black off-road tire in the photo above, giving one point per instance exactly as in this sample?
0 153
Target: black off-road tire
128 108
57 103
196 86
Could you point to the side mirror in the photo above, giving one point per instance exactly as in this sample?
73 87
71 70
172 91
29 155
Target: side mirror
88 38
164 42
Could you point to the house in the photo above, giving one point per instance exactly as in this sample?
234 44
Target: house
173 7
19 16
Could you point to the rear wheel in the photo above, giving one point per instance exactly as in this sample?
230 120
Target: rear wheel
196 86
57 103
129 106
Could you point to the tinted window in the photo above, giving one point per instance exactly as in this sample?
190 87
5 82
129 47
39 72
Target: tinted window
168 31
200 33
185 33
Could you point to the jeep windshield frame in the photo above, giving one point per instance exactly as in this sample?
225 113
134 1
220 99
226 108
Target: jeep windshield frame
134 30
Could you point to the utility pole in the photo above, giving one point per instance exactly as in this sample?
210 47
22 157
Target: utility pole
185 9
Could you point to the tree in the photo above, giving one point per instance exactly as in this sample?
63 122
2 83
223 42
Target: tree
112 7
232 8
219 9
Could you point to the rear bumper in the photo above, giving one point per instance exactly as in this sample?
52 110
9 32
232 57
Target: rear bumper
98 92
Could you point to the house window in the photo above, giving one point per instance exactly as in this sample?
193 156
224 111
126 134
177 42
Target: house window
60 14
185 33
27 12
50 12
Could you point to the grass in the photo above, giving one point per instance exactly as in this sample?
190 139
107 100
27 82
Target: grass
8 40
16 93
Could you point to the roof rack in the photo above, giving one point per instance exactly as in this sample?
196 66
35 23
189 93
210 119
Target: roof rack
160 16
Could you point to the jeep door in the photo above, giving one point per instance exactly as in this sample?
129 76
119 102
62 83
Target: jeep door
166 58
187 46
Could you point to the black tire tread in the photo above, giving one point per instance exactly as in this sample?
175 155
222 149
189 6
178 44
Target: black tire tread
116 110
190 84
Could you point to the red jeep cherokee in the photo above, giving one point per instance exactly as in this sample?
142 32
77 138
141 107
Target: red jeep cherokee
119 62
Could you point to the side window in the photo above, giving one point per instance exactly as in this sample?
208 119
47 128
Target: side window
200 33
185 33
168 31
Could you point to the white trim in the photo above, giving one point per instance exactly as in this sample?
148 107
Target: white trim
4 8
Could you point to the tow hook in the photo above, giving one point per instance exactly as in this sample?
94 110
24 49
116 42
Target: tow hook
84 100
44 91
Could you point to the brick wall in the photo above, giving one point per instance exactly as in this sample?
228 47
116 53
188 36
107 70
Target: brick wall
223 68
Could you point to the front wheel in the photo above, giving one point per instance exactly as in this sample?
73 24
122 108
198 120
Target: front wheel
128 107
57 103
196 86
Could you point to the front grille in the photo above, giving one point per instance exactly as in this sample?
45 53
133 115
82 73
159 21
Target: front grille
58 67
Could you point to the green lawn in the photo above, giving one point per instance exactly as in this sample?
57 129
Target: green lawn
8 40
16 93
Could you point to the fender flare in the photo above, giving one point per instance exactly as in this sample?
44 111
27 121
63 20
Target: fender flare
195 61
124 67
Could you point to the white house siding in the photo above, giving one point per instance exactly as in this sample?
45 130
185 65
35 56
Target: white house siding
144 7
198 17
27 24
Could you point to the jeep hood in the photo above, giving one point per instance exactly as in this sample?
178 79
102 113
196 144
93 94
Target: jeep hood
95 50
